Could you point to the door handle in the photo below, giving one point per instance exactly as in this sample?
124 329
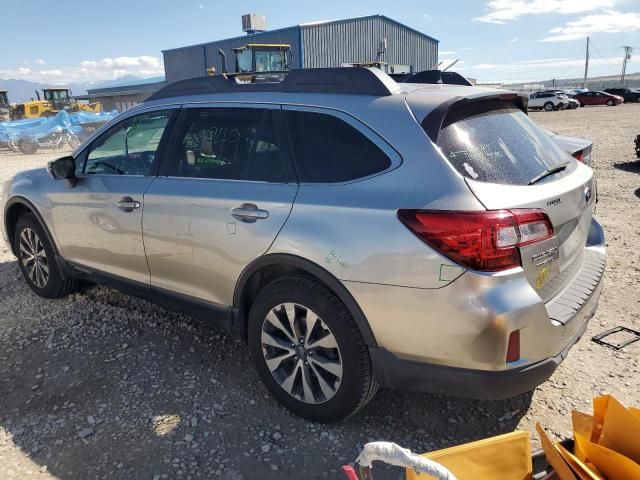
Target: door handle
128 204
249 213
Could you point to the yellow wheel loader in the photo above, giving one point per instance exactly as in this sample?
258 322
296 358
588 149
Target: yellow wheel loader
55 100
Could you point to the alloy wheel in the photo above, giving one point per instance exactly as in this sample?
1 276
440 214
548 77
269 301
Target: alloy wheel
302 353
34 258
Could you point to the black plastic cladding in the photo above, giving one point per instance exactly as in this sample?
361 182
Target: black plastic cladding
351 80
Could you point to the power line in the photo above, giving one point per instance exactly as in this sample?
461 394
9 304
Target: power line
597 52
627 56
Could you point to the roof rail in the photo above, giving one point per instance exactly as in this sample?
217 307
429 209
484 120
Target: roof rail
438 77
347 80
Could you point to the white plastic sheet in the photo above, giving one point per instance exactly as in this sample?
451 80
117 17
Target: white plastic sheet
393 454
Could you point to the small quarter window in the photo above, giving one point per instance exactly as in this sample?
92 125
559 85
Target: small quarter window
327 149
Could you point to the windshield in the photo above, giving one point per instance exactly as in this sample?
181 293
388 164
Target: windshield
500 146
244 61
270 60
56 95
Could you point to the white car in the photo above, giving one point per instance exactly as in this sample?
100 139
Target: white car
547 101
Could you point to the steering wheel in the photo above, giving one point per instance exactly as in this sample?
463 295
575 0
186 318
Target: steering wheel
112 167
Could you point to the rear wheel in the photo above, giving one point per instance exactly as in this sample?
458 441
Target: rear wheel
37 259
610 103
548 106
309 351
28 147
638 99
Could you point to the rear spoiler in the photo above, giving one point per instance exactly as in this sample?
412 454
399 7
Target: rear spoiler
457 108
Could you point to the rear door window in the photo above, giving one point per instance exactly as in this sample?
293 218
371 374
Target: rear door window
228 144
499 146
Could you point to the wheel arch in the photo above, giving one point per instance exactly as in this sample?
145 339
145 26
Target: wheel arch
269 267
15 208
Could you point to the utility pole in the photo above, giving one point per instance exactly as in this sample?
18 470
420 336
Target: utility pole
627 56
586 66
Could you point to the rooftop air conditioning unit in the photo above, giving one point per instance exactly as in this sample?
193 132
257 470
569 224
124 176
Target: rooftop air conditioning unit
252 23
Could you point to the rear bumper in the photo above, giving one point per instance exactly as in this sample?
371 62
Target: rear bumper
453 340
392 371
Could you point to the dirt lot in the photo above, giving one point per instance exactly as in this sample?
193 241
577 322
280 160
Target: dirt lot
101 385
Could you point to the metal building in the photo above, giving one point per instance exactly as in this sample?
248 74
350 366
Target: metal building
121 97
319 44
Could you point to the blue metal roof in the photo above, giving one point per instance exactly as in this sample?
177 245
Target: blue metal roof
308 24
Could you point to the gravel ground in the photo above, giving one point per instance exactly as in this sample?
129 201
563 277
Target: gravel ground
102 385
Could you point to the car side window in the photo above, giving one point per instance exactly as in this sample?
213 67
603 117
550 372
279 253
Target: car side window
327 149
129 147
227 144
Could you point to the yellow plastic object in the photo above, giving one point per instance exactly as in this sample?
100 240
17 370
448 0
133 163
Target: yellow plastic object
613 465
505 457
554 457
621 431
580 468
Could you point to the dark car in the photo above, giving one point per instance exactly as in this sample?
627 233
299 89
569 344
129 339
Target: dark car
628 94
598 98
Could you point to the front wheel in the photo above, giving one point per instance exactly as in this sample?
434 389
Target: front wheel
548 106
37 259
610 103
309 351
74 141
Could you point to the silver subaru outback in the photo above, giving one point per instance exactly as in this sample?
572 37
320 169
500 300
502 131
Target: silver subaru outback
355 231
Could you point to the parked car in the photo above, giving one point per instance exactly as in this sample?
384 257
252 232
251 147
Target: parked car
579 148
547 101
627 94
598 98
565 95
354 231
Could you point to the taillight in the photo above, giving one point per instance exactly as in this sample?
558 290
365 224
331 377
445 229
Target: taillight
485 240
583 155
513 347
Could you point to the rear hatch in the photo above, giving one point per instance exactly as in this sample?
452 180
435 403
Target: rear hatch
510 163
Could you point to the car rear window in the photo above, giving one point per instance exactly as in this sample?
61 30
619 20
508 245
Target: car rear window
499 146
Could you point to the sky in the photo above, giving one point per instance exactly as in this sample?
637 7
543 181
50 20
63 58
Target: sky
498 40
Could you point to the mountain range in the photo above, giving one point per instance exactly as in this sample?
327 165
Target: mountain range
24 90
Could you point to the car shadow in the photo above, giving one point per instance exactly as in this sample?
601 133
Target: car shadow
637 192
100 384
632 166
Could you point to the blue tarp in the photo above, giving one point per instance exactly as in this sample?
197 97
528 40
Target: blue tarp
37 128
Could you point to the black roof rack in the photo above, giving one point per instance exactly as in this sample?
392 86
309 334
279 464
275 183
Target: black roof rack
438 77
347 80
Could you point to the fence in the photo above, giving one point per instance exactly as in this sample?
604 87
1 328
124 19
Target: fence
530 87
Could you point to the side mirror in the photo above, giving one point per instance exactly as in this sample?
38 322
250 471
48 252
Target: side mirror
63 169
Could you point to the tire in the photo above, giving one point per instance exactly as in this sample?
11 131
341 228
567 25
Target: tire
611 103
28 147
548 107
638 99
581 104
338 396
44 278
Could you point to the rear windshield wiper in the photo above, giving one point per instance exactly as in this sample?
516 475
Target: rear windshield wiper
547 172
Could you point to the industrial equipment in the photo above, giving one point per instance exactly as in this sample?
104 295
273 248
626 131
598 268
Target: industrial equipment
5 108
55 100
